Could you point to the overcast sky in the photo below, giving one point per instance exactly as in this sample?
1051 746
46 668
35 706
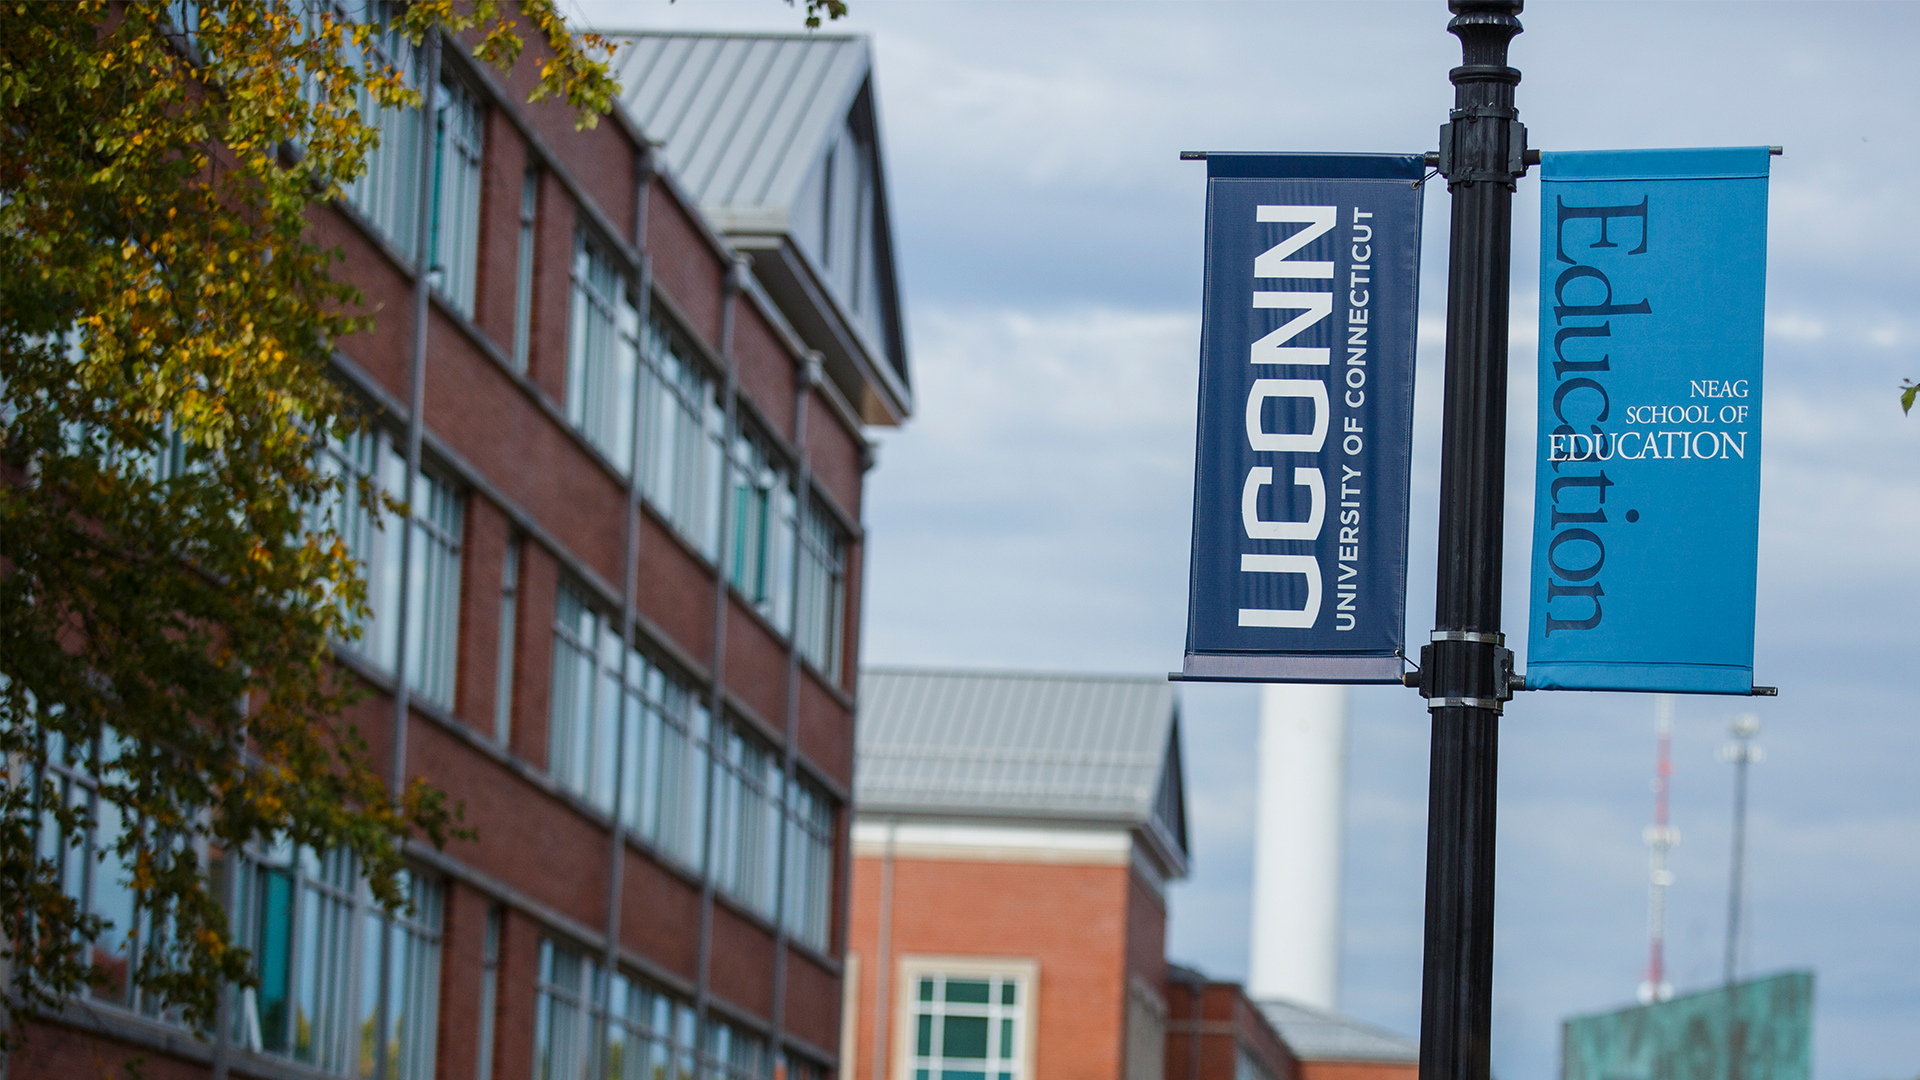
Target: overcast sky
1035 512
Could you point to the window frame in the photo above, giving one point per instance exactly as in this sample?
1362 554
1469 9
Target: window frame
506 650
749 817
911 968
80 781
369 456
459 137
822 552
604 350
387 194
523 270
638 1014
762 560
806 905
683 436
664 775
352 975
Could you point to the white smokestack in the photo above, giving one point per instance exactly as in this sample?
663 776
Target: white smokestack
1298 826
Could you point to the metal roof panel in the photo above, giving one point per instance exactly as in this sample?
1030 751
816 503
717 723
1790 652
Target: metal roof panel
1050 746
742 118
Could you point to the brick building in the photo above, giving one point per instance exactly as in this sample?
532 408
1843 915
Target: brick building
1014 839
1215 1032
633 365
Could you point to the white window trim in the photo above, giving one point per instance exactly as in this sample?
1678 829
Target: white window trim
906 1001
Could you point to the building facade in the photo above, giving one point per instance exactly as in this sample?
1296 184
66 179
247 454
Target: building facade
1014 839
1216 1032
618 627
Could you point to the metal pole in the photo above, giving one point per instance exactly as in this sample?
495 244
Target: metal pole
1466 671
1742 753
717 719
428 178
1661 837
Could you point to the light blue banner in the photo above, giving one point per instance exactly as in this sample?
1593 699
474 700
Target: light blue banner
1647 464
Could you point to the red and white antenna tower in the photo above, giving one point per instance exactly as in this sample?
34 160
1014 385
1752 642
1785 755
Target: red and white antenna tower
1660 837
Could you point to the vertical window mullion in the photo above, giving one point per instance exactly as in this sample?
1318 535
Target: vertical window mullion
523 271
489 994
503 670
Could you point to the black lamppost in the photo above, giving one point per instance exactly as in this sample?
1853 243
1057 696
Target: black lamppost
1467 671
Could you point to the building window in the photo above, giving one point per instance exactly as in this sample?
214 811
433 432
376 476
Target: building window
586 700
386 194
603 352
732 1054
683 428
489 993
560 1015
665 745
808 908
746 826
821 590
649 1034
433 626
509 621
318 941
98 877
644 1034
666 766
786 1068
760 564
458 131
968 1025
368 456
523 271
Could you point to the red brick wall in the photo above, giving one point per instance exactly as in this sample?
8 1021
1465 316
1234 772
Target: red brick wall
658 905
1073 920
503 172
742 960
685 267
835 450
57 1052
676 590
813 1001
766 368
826 731
552 288
483 552
1230 1020
1146 932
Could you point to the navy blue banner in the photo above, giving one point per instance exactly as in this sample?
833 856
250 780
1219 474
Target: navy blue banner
1306 418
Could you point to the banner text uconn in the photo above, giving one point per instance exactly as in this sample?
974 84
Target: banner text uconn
1306 373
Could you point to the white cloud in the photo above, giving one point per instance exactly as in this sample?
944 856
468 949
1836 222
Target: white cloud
1796 327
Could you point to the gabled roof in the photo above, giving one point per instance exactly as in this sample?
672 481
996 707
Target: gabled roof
745 122
1068 748
742 116
1317 1035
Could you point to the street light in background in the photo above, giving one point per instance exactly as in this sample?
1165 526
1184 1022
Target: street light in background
1742 751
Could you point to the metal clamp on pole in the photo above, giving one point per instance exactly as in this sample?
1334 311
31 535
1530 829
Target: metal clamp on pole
1504 681
1470 635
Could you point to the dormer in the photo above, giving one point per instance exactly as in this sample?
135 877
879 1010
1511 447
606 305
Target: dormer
777 138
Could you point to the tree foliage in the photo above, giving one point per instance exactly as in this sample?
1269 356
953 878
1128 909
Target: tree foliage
165 328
